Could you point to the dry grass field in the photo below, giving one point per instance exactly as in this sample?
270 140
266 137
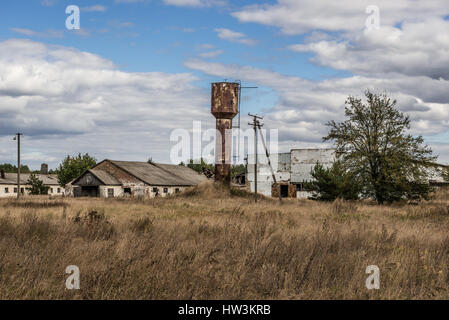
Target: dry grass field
212 244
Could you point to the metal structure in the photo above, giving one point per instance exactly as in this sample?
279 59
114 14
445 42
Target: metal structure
17 137
224 107
256 125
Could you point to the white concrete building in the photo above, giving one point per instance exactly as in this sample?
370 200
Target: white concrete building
291 170
8 184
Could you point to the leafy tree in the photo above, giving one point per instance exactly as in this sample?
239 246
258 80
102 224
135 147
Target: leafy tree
36 186
332 183
72 167
373 144
237 169
199 167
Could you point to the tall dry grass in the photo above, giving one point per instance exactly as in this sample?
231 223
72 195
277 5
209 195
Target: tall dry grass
209 243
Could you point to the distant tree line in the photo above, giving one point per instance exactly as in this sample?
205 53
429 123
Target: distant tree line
201 165
9 168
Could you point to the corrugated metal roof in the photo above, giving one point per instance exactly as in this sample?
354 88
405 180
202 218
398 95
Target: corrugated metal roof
47 179
160 174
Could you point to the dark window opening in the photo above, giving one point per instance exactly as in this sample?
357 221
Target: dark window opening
177 190
284 191
165 190
127 190
15 190
51 190
155 190
110 193
59 190
22 190
6 190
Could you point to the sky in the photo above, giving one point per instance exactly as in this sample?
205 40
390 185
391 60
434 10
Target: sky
137 70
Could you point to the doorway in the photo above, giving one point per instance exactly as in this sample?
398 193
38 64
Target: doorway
284 190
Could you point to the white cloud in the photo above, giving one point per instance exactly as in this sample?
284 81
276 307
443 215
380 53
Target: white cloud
233 36
68 101
33 33
418 48
301 16
211 54
196 3
95 8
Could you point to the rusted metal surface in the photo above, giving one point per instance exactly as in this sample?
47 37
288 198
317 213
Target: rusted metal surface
225 100
224 107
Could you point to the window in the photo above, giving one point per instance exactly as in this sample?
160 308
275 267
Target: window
155 190
59 190
110 193
127 190
165 190
15 190
177 190
6 190
22 190
51 190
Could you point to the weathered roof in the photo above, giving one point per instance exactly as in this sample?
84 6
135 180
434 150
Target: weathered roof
185 173
104 177
47 179
160 174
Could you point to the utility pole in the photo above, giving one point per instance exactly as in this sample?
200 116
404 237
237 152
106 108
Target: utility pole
18 162
254 124
278 188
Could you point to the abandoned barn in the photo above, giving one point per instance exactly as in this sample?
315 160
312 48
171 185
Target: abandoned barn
111 178
8 183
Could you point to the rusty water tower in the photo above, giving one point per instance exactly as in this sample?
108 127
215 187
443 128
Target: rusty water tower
224 107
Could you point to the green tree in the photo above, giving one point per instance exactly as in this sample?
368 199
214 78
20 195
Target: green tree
199 167
237 169
72 167
36 186
375 146
332 183
9 168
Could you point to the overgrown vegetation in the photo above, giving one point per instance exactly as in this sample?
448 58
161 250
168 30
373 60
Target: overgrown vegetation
332 183
37 186
201 166
73 167
375 147
210 245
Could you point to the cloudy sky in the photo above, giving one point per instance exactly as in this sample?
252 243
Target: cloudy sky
138 69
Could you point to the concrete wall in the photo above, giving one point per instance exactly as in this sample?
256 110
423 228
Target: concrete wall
12 194
303 161
118 191
136 191
281 168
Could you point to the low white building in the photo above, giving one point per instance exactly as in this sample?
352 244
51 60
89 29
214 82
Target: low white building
8 184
